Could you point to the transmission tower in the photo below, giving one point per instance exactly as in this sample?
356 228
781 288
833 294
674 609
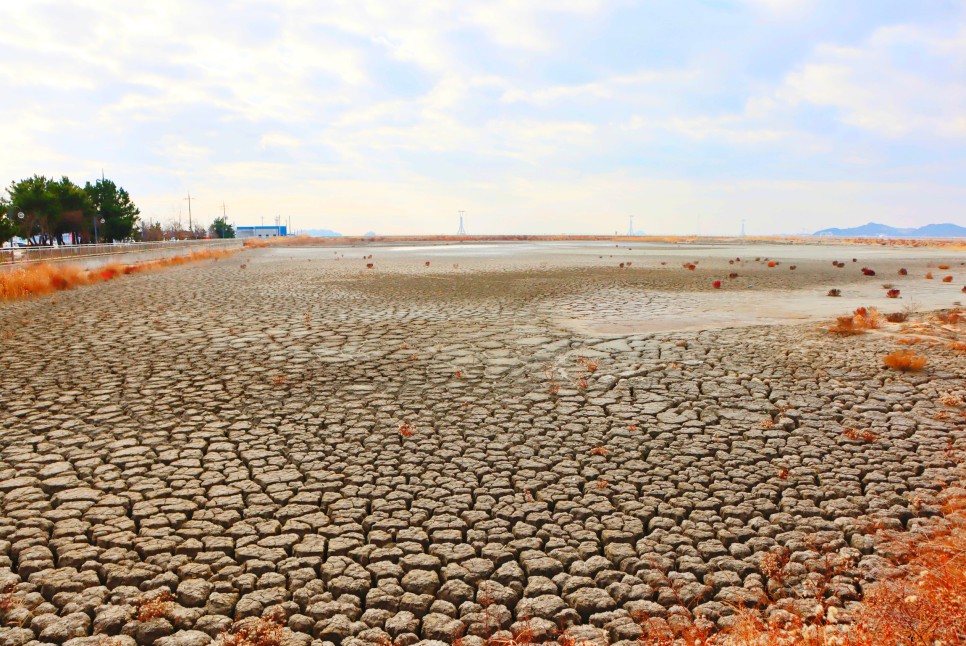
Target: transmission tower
742 228
630 227
462 231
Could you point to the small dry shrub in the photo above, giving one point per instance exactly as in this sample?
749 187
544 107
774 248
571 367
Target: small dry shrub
950 399
929 275
406 429
835 292
153 607
958 346
903 272
904 361
892 293
599 450
258 631
864 435
944 266
897 317
947 279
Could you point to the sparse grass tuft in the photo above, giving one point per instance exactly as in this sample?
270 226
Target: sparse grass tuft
861 320
904 361
153 607
860 436
254 631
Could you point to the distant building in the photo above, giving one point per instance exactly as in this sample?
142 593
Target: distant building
262 231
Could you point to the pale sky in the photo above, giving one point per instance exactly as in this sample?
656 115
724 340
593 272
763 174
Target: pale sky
547 116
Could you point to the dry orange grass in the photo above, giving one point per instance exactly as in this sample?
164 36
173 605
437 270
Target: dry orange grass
926 605
904 361
154 607
255 631
43 278
861 320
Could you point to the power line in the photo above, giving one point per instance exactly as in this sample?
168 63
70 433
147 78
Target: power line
191 228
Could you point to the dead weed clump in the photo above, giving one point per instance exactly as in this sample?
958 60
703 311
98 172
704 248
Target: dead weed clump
859 322
904 361
153 607
44 278
254 631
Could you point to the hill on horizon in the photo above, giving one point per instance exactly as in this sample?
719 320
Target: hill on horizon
874 229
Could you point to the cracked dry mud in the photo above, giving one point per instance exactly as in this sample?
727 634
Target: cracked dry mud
413 453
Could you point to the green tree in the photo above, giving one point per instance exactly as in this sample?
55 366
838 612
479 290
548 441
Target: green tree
113 204
221 229
41 208
8 222
75 211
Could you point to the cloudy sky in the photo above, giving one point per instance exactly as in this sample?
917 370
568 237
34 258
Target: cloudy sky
539 116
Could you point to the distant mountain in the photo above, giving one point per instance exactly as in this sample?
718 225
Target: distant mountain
322 233
875 230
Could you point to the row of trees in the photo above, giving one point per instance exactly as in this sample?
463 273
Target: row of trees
44 211
173 230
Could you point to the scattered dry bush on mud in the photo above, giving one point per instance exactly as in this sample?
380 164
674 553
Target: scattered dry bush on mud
255 631
904 361
861 320
153 607
43 278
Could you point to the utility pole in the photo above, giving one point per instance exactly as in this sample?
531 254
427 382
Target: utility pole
191 229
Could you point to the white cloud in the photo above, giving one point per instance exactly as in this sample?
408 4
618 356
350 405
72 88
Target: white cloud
901 81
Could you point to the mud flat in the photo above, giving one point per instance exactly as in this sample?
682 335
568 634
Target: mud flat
513 433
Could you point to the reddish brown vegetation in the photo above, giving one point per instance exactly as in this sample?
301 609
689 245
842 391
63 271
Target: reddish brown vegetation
860 436
734 275
254 631
892 293
834 292
43 278
929 275
406 429
599 450
904 361
861 320
153 607
903 272
772 263
944 266
716 284
868 272
947 279
897 317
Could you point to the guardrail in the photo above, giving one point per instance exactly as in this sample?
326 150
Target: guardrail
28 255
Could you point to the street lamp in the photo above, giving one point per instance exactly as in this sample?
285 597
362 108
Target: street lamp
96 218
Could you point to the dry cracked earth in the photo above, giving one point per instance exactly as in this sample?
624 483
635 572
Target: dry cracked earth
411 453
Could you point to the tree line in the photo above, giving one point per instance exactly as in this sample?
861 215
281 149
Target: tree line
44 211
